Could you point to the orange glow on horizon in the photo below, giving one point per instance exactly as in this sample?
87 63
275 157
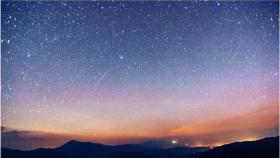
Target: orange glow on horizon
263 118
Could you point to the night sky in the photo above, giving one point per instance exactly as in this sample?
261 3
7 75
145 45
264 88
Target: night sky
193 73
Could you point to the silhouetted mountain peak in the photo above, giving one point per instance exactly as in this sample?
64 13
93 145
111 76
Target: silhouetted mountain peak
79 143
78 147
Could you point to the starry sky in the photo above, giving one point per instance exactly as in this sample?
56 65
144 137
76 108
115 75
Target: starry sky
192 73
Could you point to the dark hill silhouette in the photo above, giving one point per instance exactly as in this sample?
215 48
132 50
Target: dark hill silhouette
77 149
40 153
263 148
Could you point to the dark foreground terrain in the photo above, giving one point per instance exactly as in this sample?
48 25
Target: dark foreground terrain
264 148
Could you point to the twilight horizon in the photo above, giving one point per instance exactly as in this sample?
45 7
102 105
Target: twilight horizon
189 73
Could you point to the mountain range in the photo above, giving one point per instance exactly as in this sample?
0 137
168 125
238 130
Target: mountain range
264 148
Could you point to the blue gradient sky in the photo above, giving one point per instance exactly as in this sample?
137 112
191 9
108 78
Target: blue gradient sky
107 71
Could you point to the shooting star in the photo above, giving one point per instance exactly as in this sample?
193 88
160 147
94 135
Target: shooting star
103 76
